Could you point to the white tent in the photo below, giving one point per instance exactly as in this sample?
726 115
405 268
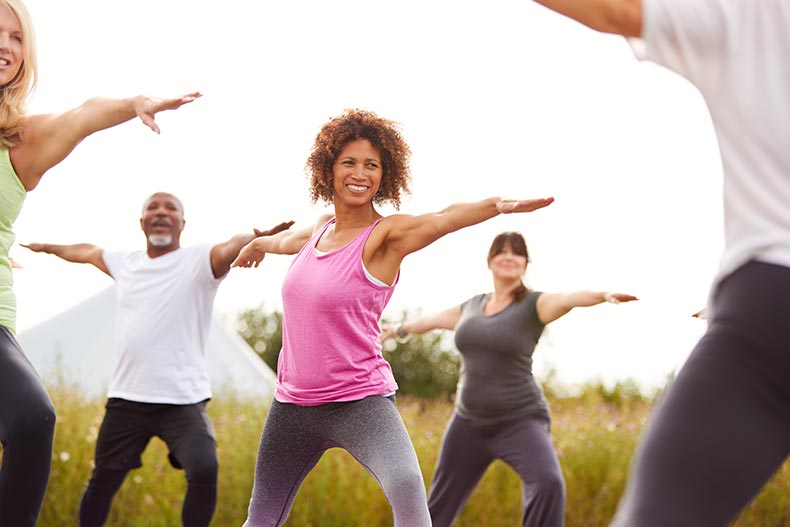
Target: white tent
79 345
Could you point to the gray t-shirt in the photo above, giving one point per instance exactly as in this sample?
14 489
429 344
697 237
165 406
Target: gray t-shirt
496 383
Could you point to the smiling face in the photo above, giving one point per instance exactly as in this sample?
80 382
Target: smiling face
162 222
357 173
507 263
12 53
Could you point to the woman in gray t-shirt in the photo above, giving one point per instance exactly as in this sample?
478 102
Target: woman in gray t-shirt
500 411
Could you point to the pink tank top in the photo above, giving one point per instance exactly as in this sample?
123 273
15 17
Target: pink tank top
331 311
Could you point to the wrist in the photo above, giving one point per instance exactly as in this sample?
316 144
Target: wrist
401 335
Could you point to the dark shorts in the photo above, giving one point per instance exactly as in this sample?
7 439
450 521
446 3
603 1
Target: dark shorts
128 426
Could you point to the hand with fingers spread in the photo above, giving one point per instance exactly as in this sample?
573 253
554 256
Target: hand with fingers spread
147 107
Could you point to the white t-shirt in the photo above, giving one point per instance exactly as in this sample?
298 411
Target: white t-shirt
737 53
163 314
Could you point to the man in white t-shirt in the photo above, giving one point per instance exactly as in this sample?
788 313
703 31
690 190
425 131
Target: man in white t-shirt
164 301
723 427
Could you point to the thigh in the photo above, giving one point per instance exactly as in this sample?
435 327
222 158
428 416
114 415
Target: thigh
723 427
464 455
123 436
463 459
373 432
526 446
23 398
189 435
289 449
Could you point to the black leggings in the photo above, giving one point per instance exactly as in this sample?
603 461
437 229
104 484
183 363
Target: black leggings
27 426
124 434
723 427
197 510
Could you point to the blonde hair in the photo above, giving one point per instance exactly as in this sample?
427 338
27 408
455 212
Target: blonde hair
14 95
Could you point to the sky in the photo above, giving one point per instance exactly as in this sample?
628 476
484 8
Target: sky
498 98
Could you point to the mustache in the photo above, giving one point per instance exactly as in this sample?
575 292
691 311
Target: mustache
162 221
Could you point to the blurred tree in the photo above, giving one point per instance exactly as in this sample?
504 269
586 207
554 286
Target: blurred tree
263 331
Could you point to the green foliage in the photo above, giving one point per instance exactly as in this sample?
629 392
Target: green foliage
263 331
425 365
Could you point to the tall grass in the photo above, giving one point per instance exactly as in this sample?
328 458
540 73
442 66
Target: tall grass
594 434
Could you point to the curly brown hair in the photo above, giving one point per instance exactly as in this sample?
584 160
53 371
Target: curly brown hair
385 137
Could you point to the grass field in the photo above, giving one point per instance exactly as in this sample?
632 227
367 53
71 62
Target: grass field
594 436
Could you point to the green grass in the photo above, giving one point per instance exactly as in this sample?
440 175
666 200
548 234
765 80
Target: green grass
594 435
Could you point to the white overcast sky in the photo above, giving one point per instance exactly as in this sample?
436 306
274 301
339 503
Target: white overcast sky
495 98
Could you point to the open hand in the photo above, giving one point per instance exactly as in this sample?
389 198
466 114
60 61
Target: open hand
616 298
249 256
35 247
274 230
147 107
508 206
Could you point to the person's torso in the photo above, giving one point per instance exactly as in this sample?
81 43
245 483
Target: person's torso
496 382
331 311
736 53
164 308
12 195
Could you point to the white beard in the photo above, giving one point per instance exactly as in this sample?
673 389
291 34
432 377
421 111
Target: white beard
160 240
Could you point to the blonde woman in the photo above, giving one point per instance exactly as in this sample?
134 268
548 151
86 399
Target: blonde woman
29 146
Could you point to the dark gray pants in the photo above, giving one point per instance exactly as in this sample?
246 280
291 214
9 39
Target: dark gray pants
524 444
723 427
295 437
27 427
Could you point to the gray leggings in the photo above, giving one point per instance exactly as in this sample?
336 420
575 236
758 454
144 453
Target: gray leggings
295 437
723 427
524 444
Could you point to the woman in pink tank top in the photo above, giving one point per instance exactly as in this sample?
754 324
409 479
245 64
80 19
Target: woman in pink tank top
334 388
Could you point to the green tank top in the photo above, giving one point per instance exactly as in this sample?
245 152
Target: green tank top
12 194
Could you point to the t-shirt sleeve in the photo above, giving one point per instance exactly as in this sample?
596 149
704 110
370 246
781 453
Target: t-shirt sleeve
114 261
683 35
531 309
202 273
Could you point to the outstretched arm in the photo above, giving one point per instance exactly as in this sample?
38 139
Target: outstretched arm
407 234
223 254
77 253
48 139
286 242
446 319
622 17
551 306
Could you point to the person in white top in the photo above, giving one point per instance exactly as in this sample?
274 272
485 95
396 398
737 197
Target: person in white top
723 427
160 388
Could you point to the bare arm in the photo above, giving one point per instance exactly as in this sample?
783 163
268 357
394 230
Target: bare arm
48 139
621 17
407 234
286 242
77 253
223 254
551 306
446 319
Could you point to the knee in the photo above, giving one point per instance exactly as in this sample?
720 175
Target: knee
35 424
408 482
549 484
204 473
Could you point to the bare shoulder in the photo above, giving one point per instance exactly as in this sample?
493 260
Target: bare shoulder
321 221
